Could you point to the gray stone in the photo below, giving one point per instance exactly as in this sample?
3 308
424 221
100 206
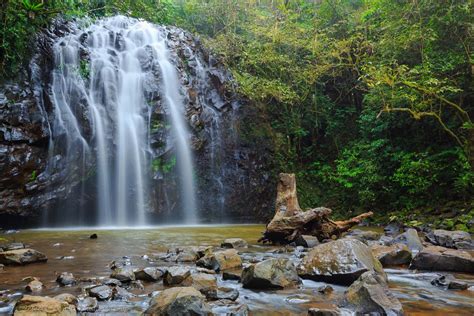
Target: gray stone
175 275
66 278
370 295
151 274
271 273
179 301
435 258
234 243
87 305
339 262
124 274
450 239
101 292
409 238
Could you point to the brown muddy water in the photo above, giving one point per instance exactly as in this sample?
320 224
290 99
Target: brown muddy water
73 251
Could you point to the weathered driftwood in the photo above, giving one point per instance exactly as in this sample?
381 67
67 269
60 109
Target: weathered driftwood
290 222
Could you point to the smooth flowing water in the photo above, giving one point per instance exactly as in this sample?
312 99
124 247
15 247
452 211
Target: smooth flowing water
73 251
99 77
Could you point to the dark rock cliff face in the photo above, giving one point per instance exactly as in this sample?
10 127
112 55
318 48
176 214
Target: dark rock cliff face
233 173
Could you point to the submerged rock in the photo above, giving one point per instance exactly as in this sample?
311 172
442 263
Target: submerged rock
325 289
396 254
234 243
22 256
87 305
66 278
221 260
38 305
175 275
178 301
451 239
443 259
339 262
370 295
409 238
223 293
271 273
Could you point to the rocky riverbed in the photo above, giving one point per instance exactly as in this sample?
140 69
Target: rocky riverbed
222 270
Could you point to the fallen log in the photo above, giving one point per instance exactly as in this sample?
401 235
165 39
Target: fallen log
290 222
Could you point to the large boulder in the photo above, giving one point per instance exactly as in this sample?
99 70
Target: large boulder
409 238
38 305
271 274
221 260
339 262
396 254
443 259
450 239
22 256
178 301
370 295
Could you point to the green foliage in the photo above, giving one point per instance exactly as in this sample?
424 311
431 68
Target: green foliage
164 165
369 102
21 19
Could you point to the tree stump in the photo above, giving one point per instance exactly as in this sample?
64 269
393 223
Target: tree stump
290 221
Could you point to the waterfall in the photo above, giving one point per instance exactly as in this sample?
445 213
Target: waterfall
100 81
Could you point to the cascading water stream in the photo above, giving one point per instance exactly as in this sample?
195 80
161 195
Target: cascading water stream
110 88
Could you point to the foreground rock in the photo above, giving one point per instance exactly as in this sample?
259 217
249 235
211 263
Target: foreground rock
22 256
393 255
437 258
87 305
234 243
370 295
37 305
178 301
339 262
451 239
221 260
409 238
271 274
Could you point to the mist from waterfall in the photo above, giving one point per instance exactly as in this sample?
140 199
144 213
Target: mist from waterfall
103 70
